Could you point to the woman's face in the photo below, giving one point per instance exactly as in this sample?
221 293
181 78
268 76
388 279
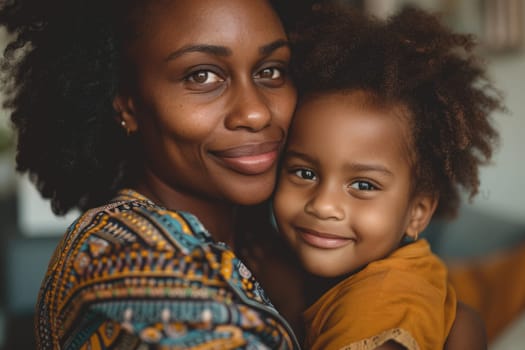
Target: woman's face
211 99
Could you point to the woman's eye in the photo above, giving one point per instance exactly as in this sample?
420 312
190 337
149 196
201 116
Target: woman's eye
363 186
305 174
203 77
271 76
270 73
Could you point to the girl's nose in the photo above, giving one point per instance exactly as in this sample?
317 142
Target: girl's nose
325 204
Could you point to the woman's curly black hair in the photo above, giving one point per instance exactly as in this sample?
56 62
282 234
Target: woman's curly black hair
61 72
414 61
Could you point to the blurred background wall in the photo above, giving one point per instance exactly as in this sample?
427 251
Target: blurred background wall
494 221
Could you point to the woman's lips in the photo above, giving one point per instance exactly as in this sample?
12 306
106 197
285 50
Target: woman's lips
322 240
251 159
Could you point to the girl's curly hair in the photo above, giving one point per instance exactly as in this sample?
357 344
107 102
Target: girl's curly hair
61 72
414 61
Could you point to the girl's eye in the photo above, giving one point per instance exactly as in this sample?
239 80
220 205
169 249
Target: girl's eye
305 174
203 77
363 186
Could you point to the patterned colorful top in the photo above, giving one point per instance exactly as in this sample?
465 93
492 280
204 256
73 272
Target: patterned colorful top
133 275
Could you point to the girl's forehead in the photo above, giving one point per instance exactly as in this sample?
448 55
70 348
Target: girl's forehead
342 116
358 102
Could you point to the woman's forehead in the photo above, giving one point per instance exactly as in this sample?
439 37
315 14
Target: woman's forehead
171 25
197 17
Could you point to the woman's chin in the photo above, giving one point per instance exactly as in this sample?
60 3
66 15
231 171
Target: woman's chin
252 192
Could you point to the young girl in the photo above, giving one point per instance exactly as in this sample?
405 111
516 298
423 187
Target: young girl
392 122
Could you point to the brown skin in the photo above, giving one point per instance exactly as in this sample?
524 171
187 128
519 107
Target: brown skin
211 105
468 330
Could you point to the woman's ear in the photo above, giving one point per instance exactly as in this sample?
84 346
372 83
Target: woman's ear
423 207
125 113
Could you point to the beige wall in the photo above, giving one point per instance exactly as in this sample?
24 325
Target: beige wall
502 190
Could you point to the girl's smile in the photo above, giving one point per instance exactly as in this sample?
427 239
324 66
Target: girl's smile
323 240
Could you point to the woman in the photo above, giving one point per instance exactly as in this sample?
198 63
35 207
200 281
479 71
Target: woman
146 111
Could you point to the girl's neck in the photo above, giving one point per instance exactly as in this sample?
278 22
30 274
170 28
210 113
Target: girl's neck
216 216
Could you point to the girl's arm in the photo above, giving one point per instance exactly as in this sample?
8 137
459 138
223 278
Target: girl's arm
468 330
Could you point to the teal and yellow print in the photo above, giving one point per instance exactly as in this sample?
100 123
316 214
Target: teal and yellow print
133 275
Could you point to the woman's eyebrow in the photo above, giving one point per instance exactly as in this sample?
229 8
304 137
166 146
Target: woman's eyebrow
211 49
217 50
271 47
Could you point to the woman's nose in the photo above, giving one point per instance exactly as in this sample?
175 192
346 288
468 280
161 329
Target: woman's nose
325 204
250 109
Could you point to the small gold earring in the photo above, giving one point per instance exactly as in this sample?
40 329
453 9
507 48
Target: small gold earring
416 236
125 126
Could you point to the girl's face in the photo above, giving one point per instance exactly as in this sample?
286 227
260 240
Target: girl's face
211 99
344 195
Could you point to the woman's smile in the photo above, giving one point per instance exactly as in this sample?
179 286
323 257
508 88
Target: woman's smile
250 159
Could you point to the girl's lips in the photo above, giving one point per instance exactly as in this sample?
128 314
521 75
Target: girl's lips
252 159
322 240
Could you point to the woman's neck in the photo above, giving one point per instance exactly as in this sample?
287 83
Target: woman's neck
216 216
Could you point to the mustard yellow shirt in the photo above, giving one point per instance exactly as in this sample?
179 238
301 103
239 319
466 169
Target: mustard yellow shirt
405 297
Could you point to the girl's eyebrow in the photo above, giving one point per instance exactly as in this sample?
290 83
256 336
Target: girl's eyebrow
300 155
363 167
218 50
350 166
